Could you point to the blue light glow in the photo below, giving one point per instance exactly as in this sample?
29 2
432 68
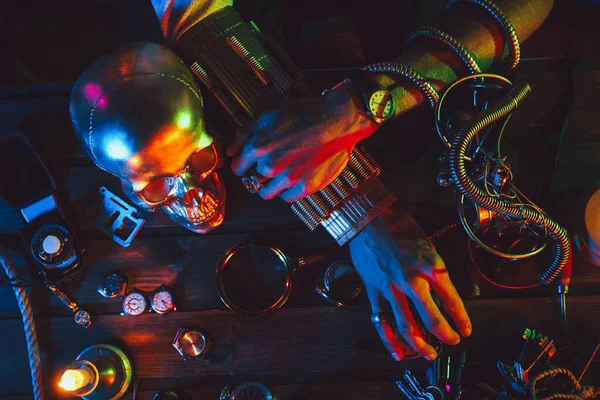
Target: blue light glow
116 147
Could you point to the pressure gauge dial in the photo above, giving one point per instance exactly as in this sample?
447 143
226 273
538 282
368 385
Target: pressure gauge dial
113 285
162 300
135 303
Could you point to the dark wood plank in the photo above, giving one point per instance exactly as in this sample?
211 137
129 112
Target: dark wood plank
292 345
347 391
187 264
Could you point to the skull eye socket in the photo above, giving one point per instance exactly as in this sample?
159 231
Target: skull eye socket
158 190
203 162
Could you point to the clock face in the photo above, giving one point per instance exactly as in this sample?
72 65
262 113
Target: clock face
381 104
162 301
112 286
134 304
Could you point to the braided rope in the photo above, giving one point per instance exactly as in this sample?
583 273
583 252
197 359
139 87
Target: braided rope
461 51
551 374
514 48
407 72
35 363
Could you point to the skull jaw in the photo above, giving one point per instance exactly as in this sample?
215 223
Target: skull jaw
198 226
200 210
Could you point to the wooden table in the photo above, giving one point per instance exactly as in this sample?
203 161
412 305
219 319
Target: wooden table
309 349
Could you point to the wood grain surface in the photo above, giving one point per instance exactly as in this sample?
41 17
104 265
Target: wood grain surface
309 350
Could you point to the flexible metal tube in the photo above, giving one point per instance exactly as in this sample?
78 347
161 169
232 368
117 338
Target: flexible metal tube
467 186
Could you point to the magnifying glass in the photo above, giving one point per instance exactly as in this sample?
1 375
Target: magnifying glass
255 278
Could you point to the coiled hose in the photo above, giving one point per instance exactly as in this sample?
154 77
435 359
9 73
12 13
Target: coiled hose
461 51
35 363
467 186
407 72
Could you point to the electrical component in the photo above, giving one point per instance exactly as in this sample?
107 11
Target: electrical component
486 197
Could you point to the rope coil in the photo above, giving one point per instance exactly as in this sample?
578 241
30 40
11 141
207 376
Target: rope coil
35 363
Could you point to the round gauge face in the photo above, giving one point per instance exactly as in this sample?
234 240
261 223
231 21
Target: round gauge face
193 343
112 286
381 104
83 318
162 301
134 304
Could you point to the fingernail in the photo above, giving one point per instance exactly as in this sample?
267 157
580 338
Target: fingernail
396 357
431 357
465 332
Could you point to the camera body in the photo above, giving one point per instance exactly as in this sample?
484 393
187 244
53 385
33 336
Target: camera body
27 186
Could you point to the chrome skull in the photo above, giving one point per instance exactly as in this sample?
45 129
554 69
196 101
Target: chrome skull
139 116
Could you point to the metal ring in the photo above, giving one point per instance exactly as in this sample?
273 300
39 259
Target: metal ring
444 37
253 181
426 88
277 304
510 33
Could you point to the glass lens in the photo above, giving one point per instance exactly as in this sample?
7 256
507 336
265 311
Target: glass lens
158 190
254 278
203 162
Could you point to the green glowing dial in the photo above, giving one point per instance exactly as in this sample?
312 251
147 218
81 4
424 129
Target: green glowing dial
381 105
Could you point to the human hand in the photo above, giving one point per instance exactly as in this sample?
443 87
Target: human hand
303 146
397 262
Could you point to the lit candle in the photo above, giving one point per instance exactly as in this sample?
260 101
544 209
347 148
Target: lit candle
73 379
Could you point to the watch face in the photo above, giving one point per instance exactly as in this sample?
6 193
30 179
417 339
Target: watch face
134 304
192 343
112 286
381 105
162 301
83 318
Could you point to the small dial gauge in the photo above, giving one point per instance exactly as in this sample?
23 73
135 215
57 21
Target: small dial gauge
381 104
134 304
162 301
113 285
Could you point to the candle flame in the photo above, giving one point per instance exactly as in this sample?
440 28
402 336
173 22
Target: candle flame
73 379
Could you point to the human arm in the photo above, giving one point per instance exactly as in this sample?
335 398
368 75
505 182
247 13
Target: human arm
297 144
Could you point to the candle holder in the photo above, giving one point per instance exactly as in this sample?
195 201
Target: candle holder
100 372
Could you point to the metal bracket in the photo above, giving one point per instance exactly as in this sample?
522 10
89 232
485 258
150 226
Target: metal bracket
115 217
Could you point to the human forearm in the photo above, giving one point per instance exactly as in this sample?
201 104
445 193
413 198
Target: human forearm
477 31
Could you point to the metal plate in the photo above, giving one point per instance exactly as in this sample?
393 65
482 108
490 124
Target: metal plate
115 217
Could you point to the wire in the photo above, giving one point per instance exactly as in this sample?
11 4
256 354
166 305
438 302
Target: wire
35 363
490 280
527 213
480 243
475 78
